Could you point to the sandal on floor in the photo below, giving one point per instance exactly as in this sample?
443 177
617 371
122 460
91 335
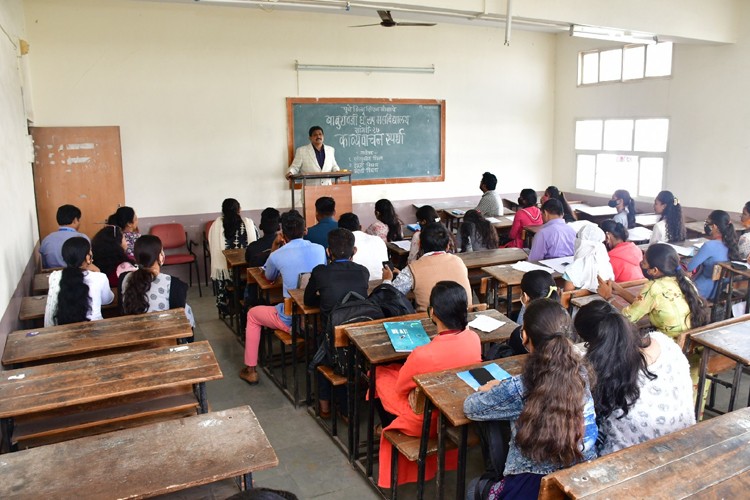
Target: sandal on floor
248 376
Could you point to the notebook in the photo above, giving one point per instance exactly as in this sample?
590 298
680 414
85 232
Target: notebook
406 336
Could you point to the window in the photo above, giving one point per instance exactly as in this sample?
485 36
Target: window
616 154
631 62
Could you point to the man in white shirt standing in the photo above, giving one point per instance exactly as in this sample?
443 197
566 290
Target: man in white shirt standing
490 205
314 158
370 251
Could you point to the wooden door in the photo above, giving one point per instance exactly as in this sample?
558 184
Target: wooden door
80 166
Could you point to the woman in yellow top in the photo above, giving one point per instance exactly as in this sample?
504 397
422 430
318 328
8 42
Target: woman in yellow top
669 299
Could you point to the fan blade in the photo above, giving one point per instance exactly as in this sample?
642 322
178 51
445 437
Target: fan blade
415 24
385 16
364 25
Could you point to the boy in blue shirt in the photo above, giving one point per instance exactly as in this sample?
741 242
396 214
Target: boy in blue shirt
325 209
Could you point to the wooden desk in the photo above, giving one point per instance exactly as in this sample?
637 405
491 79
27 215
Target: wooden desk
707 460
44 388
595 214
733 273
142 462
398 255
484 258
505 275
40 285
265 287
236 264
617 301
32 308
93 337
453 216
373 345
732 341
446 393
530 233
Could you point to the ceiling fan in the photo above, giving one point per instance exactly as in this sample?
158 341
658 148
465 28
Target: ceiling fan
388 22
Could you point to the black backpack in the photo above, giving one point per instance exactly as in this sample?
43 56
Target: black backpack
391 301
353 308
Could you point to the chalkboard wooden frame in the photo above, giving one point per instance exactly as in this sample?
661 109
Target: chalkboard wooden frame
292 101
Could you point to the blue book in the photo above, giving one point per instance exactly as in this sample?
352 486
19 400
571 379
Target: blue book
406 335
486 373
414 227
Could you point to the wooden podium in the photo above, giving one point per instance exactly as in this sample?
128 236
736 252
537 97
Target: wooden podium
339 191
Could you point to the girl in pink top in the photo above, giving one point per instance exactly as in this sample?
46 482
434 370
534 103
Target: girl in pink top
624 255
527 215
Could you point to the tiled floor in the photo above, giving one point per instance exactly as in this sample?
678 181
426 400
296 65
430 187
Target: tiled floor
310 465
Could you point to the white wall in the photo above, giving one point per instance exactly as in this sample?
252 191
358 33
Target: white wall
17 208
198 92
706 101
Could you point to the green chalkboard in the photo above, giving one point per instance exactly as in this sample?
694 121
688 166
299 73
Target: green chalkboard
379 140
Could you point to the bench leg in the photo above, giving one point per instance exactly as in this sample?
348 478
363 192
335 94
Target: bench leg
200 392
422 458
371 422
461 471
6 427
352 396
394 472
440 475
701 382
247 481
735 385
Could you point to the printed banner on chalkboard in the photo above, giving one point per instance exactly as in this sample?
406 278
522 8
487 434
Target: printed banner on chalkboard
379 140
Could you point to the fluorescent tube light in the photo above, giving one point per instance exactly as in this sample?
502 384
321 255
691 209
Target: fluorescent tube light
366 69
612 34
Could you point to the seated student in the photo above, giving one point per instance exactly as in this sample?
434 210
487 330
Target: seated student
671 226
425 215
69 220
545 437
743 245
329 284
77 292
669 299
720 247
537 284
147 289
387 227
230 230
455 345
325 209
258 251
371 250
476 233
643 388
590 261
127 221
624 255
555 238
490 205
552 192
108 247
527 215
290 256
625 206
433 266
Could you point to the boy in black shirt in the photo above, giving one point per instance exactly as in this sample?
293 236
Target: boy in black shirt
329 284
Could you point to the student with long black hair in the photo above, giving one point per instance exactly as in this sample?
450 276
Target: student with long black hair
127 221
528 214
109 249
426 214
147 289
387 226
476 233
553 192
625 206
743 245
671 226
549 406
720 247
77 292
643 387
537 284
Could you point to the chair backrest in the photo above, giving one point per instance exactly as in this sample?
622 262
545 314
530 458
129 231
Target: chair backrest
208 228
171 235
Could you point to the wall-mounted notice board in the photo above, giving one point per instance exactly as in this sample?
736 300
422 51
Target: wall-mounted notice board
381 141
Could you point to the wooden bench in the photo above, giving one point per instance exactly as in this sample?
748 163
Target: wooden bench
142 462
708 460
32 308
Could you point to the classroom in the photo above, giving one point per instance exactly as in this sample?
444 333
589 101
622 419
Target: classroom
198 89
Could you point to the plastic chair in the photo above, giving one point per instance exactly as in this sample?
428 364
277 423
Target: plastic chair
207 251
174 236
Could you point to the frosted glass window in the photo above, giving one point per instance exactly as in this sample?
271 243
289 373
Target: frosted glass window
615 172
651 135
610 65
659 59
589 134
585 172
618 135
633 60
651 175
589 67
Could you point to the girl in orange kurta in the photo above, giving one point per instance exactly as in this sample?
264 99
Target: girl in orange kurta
455 346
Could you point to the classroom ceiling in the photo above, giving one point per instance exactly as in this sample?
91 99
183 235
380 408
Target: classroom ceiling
689 20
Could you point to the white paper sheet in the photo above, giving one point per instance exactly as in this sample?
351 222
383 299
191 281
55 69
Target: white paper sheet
559 264
525 267
486 323
639 234
403 244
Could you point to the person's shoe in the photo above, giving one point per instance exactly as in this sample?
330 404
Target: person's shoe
248 376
